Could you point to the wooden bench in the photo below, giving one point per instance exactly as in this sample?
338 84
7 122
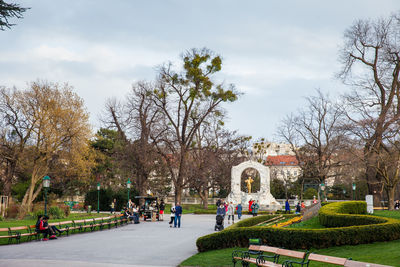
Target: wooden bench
283 252
351 263
254 249
327 259
16 233
342 261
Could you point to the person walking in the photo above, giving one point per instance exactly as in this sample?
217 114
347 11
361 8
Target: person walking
162 208
113 205
178 215
254 208
287 206
231 212
239 209
172 215
298 208
303 206
250 204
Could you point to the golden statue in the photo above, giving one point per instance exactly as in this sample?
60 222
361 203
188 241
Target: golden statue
248 184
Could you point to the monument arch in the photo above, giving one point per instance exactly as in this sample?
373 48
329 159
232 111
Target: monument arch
263 196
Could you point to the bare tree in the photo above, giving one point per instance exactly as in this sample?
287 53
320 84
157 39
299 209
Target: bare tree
370 58
134 120
315 137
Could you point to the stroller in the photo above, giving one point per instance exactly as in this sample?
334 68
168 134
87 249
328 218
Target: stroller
219 224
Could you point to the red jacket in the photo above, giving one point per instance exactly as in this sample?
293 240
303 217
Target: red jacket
250 203
41 226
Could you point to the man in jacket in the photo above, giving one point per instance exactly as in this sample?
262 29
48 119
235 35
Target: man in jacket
178 215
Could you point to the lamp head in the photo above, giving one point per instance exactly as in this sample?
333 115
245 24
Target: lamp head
46 181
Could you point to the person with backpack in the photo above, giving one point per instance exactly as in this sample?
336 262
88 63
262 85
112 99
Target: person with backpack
239 209
172 215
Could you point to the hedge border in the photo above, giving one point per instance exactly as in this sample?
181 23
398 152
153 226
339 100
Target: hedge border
386 229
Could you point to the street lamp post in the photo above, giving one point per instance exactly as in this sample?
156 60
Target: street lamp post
354 191
323 192
128 185
344 193
98 197
46 185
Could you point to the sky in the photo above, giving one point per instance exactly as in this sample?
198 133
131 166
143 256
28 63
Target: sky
275 52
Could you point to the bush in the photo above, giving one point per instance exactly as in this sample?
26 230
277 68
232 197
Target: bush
56 213
382 229
107 196
66 209
338 214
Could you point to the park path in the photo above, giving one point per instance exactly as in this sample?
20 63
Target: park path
144 244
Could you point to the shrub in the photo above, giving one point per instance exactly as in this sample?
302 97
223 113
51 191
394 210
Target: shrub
56 213
382 229
338 214
66 209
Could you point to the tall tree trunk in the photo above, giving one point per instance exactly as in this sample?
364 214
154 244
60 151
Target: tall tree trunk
205 201
178 194
391 190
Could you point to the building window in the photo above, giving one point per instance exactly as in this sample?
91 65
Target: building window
282 162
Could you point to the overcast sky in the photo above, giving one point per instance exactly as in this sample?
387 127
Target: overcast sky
275 52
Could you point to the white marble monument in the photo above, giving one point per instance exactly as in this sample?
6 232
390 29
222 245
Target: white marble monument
264 197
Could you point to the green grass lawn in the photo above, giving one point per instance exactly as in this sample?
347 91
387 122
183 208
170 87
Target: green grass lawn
312 223
381 252
395 214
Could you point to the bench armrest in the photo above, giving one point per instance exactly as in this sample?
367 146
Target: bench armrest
237 253
261 258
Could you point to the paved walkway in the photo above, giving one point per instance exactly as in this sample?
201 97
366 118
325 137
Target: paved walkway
144 244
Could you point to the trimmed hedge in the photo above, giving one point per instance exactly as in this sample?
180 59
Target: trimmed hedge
337 214
383 229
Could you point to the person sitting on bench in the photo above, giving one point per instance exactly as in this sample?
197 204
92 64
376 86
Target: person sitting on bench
43 228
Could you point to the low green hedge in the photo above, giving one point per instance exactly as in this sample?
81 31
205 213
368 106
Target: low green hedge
384 229
338 214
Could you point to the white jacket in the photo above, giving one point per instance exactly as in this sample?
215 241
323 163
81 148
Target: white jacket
231 209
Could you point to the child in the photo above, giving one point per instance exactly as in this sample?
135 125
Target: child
172 215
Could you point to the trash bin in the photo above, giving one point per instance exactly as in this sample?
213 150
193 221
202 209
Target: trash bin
89 209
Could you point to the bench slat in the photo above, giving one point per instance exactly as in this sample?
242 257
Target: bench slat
268 249
291 253
327 259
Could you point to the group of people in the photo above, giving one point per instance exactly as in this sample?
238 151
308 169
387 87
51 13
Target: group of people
43 227
225 208
253 207
176 215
